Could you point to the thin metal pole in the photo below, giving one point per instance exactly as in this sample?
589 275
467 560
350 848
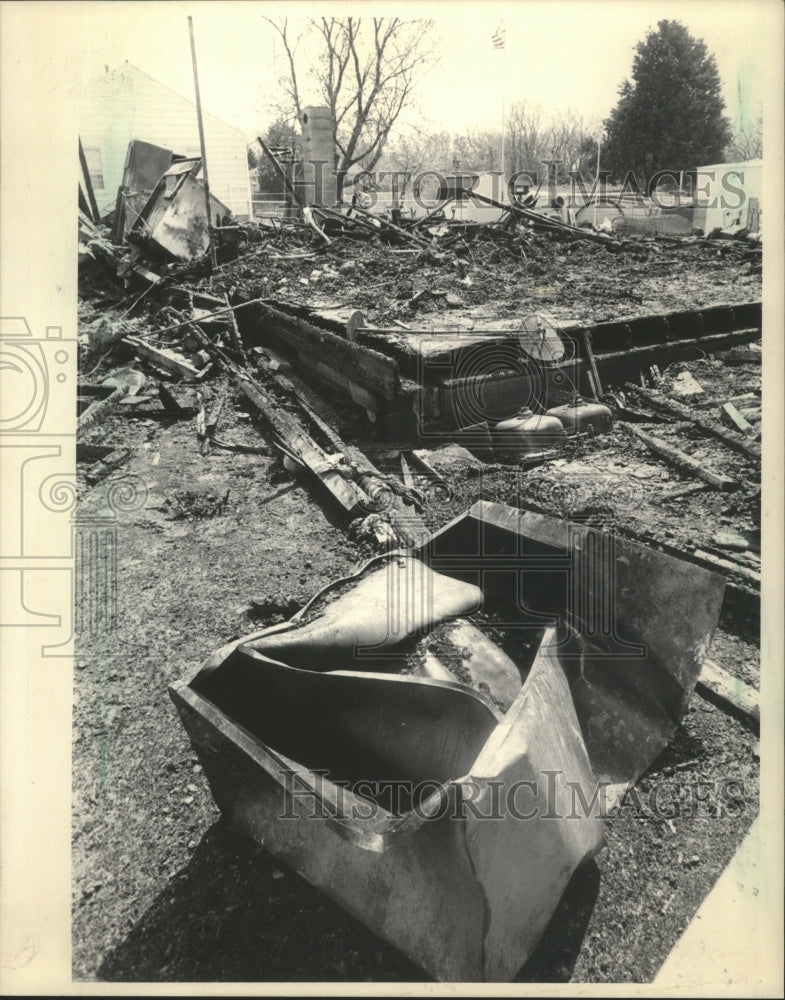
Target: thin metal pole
597 182
207 205
504 88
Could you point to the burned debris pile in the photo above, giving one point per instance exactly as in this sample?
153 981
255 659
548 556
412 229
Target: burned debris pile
535 388
400 320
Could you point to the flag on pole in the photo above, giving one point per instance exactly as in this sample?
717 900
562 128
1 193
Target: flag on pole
499 36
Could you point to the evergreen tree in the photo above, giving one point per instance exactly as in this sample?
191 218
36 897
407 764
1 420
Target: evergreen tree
670 117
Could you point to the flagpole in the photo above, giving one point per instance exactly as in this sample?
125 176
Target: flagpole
504 87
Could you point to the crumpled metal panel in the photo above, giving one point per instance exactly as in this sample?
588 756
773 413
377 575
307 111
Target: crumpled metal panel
524 859
399 599
174 220
144 165
464 870
635 624
424 871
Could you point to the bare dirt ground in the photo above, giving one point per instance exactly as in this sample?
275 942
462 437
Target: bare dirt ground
162 889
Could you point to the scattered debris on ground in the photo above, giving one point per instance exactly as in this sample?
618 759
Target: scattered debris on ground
271 464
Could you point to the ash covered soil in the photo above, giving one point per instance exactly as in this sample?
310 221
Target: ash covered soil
163 890
569 279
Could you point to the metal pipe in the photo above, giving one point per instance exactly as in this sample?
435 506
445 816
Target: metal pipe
202 145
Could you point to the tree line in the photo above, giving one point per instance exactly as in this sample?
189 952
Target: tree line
670 114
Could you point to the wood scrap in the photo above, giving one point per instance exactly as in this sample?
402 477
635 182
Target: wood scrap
200 418
732 417
105 466
408 526
728 564
95 215
706 424
386 224
209 316
246 449
730 540
680 458
304 392
97 411
680 493
164 357
596 384
92 452
211 424
745 397
176 400
290 188
717 683
234 332
298 443
294 440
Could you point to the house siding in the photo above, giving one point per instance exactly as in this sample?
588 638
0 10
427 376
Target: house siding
128 104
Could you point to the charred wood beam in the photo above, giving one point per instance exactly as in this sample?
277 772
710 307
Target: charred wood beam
680 458
294 439
722 686
163 357
683 412
408 525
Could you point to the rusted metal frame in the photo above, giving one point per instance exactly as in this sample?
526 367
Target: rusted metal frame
543 221
172 364
385 224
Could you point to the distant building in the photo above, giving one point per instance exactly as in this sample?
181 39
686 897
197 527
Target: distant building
126 103
728 194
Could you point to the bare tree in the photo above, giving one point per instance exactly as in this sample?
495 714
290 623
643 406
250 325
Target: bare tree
478 149
364 70
525 146
747 142
566 134
412 151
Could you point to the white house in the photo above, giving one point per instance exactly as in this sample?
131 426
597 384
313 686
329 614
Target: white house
126 103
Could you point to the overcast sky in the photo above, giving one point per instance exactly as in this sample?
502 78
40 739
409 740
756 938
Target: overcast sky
560 54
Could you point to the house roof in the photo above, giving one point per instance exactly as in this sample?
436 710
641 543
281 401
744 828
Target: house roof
732 163
127 66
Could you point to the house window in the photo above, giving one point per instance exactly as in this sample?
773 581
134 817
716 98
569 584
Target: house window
95 167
